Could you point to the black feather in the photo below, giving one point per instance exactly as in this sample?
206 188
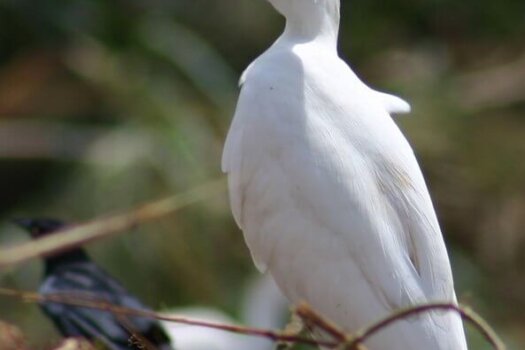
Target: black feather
74 273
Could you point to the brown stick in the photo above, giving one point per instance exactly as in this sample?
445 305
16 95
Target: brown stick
304 311
68 299
344 341
466 313
81 234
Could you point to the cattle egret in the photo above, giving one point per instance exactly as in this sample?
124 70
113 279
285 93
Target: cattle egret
328 192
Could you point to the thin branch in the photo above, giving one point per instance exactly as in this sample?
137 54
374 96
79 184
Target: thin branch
69 299
304 311
343 340
465 312
81 234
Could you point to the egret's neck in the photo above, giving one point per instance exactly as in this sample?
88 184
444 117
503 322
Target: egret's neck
311 20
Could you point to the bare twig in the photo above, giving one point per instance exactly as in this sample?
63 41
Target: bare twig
306 313
465 312
68 299
81 234
342 340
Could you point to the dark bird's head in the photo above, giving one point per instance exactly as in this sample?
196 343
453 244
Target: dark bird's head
41 227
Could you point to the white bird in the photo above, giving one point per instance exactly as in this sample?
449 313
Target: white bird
328 192
263 307
189 337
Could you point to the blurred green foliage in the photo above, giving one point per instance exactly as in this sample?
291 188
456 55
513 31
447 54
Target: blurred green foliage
107 104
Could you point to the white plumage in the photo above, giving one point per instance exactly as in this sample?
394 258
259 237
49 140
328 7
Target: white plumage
328 192
263 306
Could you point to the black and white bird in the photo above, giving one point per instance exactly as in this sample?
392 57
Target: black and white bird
72 272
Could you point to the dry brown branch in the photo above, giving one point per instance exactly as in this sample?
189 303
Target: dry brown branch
81 234
465 312
342 340
102 305
308 315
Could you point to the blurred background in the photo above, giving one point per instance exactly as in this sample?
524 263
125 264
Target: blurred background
105 105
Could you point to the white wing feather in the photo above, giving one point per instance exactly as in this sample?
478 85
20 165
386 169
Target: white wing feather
331 200
392 104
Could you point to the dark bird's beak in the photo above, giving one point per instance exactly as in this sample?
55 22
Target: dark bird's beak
38 227
26 224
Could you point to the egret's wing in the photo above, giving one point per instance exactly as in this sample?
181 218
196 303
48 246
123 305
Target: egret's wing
392 104
232 159
244 74
404 189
